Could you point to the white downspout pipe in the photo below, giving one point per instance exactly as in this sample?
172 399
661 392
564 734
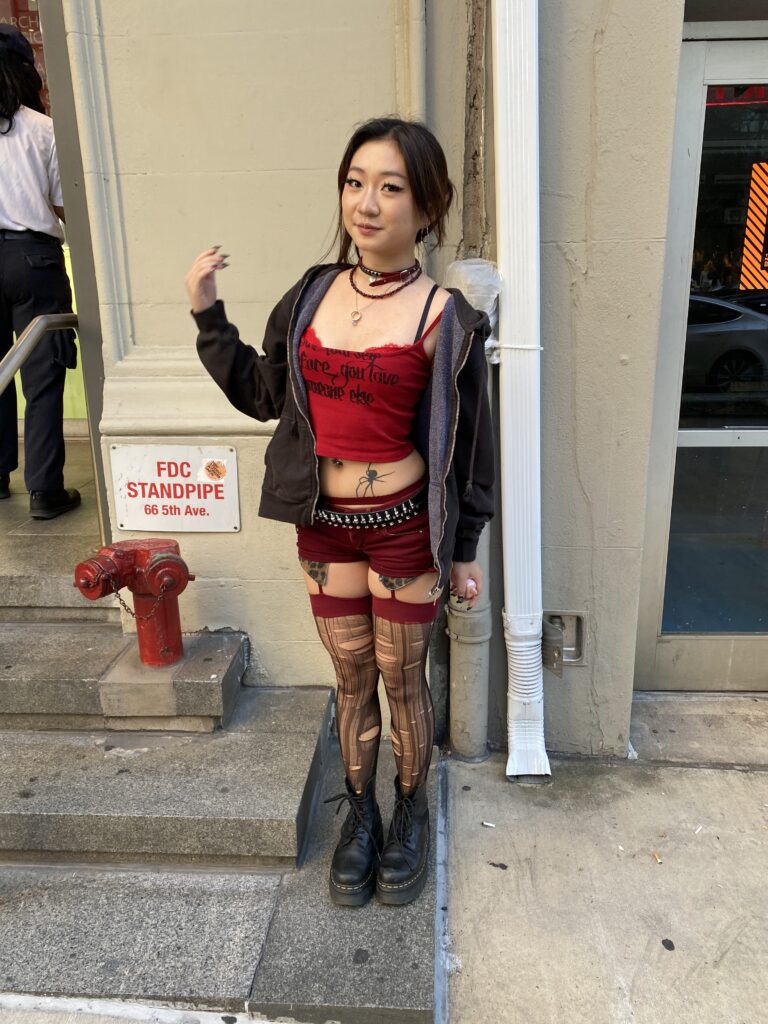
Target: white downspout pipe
516 120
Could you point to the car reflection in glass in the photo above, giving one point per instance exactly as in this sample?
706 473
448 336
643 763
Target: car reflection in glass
726 358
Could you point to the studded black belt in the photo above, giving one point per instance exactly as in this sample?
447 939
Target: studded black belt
391 516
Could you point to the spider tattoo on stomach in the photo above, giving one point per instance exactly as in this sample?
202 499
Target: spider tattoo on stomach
370 477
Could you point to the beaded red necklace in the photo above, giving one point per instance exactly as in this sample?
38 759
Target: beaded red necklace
407 276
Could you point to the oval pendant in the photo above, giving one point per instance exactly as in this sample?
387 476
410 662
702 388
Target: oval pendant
355 316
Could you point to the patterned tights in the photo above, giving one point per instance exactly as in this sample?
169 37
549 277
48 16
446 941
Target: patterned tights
362 645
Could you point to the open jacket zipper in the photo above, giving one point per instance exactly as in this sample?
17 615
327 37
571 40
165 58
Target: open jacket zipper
463 356
293 373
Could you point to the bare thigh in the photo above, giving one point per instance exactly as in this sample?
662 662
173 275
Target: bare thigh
338 579
357 579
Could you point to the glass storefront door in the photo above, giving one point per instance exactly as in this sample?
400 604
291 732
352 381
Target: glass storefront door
706 626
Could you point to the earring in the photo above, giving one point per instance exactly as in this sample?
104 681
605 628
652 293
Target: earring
422 234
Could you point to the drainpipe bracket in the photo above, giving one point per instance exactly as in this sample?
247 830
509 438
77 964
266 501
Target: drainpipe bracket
522 627
469 626
482 638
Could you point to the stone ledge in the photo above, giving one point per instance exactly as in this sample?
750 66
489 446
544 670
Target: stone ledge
91 676
245 794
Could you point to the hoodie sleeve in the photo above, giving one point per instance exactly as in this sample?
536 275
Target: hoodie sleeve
473 457
254 383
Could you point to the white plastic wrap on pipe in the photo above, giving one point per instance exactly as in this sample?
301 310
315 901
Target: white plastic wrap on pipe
516 115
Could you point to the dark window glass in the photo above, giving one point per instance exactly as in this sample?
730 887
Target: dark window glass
711 313
725 371
717 569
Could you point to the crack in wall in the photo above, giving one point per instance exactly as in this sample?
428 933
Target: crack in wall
476 230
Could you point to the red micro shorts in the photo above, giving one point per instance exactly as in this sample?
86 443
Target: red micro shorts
400 550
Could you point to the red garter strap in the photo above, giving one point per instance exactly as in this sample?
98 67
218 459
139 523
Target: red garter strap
402 611
326 607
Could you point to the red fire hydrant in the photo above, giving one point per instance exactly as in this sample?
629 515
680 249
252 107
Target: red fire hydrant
155 573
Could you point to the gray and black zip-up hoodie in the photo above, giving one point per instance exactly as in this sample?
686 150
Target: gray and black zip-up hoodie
452 429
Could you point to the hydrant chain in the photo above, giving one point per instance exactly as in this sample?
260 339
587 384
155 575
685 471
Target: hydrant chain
127 608
155 573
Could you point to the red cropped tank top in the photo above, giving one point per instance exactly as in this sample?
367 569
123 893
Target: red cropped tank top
362 404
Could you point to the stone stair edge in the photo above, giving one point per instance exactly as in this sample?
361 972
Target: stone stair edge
185 795
93 669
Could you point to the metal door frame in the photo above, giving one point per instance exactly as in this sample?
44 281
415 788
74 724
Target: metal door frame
675 661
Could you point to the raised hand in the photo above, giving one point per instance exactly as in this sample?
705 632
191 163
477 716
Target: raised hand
201 279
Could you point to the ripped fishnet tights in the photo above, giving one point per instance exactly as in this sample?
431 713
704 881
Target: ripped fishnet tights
401 654
349 641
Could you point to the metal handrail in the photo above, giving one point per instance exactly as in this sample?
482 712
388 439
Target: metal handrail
28 342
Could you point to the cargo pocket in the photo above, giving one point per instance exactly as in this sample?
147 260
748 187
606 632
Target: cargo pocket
64 349
42 261
50 280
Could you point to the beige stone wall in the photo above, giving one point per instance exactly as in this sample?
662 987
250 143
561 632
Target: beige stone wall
199 128
608 88
202 126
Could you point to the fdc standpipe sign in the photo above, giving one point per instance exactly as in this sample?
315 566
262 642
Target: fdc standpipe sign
176 488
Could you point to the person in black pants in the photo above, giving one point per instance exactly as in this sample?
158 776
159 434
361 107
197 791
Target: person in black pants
33 281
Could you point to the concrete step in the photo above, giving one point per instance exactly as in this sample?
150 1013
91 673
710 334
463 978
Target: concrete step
257 943
78 676
242 795
38 558
700 728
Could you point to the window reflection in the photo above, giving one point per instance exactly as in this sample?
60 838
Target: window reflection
725 372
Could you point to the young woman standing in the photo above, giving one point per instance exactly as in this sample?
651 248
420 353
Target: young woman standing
383 460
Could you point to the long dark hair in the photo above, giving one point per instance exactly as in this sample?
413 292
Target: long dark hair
20 85
425 165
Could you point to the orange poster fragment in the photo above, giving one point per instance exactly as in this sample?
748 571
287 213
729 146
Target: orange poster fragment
754 263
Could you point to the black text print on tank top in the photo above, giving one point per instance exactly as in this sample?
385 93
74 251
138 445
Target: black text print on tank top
347 379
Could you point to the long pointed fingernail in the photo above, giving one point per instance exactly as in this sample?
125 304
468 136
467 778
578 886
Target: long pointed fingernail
224 256
215 247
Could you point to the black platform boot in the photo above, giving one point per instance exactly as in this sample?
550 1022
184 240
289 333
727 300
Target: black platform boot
403 866
353 868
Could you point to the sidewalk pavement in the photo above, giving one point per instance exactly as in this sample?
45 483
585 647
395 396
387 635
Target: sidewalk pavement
58 1011
54 1012
623 893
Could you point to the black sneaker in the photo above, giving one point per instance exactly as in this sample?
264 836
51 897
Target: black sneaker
5 485
49 504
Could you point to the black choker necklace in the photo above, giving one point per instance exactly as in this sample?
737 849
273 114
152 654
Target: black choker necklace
404 277
377 278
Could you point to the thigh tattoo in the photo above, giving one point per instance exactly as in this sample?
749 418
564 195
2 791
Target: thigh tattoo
317 571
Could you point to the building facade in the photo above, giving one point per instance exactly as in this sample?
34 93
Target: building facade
178 129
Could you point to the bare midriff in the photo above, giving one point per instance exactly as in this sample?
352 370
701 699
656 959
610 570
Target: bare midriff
374 480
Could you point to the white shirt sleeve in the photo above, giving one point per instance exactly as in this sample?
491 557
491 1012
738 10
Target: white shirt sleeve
54 181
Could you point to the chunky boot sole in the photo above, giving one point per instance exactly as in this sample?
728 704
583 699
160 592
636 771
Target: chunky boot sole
353 895
405 892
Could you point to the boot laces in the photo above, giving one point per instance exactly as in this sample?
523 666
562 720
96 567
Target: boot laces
402 822
354 822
